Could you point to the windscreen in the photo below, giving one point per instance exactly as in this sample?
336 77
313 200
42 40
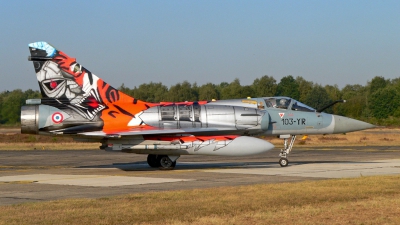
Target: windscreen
298 106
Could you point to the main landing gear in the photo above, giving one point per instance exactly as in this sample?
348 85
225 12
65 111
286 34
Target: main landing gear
163 162
286 149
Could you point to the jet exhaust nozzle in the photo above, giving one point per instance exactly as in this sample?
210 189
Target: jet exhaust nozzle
29 119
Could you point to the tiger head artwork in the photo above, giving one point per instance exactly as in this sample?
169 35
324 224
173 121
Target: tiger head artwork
71 86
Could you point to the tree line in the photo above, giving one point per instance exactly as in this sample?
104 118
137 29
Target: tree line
377 102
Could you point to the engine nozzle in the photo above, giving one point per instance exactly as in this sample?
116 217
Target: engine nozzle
29 119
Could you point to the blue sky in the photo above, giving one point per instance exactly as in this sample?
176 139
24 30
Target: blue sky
135 42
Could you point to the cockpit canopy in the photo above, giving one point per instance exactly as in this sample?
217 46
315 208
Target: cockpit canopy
287 103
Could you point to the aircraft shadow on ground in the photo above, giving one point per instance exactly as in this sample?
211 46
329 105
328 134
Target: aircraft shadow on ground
143 166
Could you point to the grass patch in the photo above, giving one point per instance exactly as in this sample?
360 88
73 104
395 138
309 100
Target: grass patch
12 139
365 200
50 146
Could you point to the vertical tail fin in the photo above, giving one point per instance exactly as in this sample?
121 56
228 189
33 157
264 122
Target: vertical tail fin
67 84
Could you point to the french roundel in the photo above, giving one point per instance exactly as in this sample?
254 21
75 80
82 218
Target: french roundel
57 117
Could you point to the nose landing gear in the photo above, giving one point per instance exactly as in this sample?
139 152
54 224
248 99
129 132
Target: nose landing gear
283 161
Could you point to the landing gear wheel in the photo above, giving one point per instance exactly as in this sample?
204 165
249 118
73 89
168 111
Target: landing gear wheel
166 163
153 161
283 162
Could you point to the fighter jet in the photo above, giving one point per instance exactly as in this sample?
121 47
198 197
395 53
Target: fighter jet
77 103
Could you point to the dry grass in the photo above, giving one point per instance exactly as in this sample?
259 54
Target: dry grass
12 139
365 200
49 146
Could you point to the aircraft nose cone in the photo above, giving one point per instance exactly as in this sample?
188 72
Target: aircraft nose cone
344 125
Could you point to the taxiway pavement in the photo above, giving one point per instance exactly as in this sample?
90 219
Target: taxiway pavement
44 175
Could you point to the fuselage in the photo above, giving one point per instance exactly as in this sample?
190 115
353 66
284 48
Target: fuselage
237 116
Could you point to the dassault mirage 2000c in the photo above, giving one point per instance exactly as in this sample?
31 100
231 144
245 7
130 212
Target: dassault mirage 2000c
77 103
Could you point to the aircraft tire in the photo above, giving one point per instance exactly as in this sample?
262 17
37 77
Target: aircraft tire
284 162
153 161
165 163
